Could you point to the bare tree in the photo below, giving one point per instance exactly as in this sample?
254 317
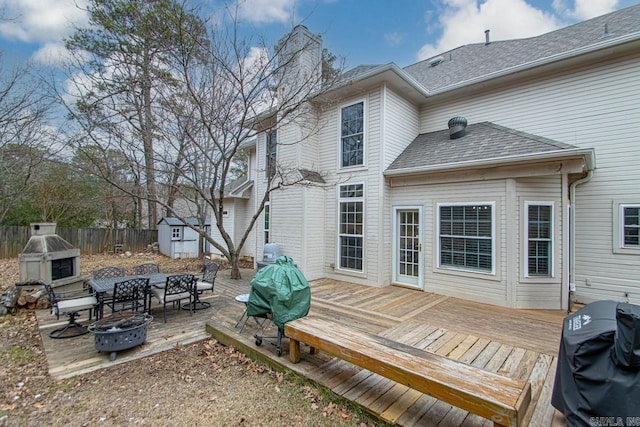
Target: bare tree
211 93
24 135
240 87
122 62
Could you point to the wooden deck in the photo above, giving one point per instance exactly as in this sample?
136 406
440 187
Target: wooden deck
518 343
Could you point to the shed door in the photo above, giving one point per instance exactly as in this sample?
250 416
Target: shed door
407 262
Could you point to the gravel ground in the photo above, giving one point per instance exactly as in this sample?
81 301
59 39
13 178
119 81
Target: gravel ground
203 384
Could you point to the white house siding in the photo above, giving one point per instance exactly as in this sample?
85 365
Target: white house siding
286 221
590 107
243 213
370 175
400 125
313 232
286 206
399 128
308 151
229 225
289 143
259 187
539 293
291 207
487 288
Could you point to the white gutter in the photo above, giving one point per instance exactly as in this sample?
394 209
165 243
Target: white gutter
587 153
572 232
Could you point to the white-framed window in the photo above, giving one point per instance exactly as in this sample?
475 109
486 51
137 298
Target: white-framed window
538 217
626 227
466 238
267 209
271 153
630 226
352 135
351 227
176 233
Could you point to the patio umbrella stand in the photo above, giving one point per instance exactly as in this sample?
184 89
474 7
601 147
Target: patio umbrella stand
120 331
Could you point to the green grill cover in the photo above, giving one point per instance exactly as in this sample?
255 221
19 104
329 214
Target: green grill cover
280 289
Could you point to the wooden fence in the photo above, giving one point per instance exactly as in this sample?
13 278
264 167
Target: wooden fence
89 240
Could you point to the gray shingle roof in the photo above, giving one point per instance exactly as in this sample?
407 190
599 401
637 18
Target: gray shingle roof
175 222
312 176
354 72
476 60
482 141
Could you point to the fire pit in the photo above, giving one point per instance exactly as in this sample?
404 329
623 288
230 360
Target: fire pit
120 331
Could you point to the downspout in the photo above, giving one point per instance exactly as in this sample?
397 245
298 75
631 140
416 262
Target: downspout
572 233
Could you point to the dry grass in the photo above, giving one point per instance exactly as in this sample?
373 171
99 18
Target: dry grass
204 384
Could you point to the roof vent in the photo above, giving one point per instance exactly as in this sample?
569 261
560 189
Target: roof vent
457 126
435 61
486 37
606 32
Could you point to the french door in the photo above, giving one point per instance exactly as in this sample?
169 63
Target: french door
407 247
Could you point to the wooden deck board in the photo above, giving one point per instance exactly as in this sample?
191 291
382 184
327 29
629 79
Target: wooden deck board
400 405
416 411
519 343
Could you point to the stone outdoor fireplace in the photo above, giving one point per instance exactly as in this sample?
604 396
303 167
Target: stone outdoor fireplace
50 258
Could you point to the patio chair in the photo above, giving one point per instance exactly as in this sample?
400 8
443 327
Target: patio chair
70 303
206 283
148 268
130 294
108 272
178 287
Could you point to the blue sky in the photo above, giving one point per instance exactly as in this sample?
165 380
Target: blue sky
360 31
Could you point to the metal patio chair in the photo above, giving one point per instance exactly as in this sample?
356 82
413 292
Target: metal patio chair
108 272
206 283
130 294
178 287
70 303
148 268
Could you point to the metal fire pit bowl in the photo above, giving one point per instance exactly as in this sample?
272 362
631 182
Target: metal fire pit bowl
120 331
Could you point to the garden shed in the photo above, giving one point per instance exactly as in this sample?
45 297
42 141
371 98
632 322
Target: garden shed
177 240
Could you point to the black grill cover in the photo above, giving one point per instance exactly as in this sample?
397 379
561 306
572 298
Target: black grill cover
598 372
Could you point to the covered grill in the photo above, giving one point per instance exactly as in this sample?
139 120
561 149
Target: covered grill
598 372
49 258
279 292
270 254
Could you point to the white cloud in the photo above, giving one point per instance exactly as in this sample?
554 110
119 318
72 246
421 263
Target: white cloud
585 9
40 21
393 39
465 21
266 11
53 54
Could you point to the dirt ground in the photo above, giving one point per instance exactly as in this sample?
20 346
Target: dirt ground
203 384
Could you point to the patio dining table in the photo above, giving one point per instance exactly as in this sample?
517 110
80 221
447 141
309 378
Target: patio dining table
104 286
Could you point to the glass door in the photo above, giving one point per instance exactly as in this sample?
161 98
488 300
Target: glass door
408 247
